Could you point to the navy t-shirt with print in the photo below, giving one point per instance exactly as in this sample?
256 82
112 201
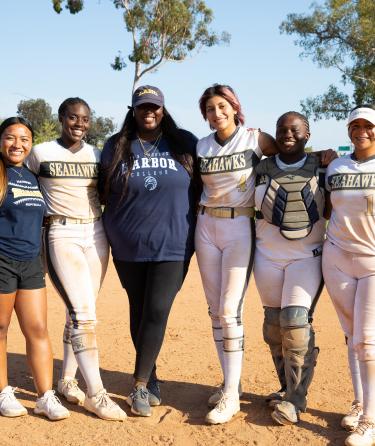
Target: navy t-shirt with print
21 216
156 219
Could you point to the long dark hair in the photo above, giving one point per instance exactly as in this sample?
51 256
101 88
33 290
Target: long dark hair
3 172
177 141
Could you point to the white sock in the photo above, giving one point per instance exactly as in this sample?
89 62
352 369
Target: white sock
69 366
86 353
368 381
354 371
233 355
217 333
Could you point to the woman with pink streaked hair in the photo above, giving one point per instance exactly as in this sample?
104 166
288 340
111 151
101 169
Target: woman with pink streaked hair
224 238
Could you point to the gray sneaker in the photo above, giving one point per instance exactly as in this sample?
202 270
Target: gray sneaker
285 413
275 397
138 400
154 397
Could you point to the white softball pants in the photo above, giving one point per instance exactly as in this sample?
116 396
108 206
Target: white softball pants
224 249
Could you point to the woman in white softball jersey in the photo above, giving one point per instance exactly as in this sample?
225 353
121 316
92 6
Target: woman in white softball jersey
290 227
224 237
76 249
349 266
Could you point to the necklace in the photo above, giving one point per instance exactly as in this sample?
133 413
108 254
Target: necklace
16 171
150 150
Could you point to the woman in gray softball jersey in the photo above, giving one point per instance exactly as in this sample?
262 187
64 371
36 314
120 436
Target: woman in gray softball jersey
76 249
349 266
224 238
289 236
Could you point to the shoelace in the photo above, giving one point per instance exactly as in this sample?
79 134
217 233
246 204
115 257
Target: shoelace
363 426
52 399
355 410
141 392
9 395
71 384
103 399
222 404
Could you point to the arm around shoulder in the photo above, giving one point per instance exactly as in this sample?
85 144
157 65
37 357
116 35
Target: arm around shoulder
267 144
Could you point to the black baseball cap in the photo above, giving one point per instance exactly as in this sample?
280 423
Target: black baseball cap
147 94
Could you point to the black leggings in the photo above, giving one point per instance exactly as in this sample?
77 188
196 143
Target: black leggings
151 288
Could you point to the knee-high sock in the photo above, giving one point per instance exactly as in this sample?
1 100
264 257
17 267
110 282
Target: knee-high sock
355 371
86 353
233 345
367 369
69 366
217 333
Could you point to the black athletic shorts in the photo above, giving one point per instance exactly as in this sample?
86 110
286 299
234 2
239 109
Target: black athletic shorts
20 275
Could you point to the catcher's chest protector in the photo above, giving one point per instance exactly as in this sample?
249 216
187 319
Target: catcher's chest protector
294 200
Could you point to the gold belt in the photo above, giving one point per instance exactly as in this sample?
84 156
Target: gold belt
227 212
64 220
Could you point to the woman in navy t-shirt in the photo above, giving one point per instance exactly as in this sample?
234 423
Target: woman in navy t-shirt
22 285
150 197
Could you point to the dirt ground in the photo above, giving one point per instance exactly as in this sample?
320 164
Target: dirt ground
189 368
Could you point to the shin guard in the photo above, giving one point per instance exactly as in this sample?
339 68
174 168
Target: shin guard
300 353
272 337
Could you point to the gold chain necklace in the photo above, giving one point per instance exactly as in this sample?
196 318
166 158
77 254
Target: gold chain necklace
149 151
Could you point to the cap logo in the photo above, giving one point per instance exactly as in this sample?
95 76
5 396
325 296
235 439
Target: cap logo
147 91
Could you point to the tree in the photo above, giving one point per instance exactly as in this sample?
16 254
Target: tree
162 30
339 34
99 131
37 111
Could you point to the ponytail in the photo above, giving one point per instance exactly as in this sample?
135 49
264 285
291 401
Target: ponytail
3 180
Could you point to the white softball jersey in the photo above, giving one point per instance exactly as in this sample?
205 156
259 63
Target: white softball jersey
68 180
352 186
227 171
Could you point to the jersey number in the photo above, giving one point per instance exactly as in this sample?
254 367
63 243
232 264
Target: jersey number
370 205
241 186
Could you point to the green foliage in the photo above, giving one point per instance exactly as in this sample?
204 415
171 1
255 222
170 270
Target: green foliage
74 6
100 129
162 30
339 34
38 112
48 131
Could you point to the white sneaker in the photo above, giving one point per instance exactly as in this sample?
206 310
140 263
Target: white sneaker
350 421
224 410
50 406
364 433
9 405
68 388
215 397
103 407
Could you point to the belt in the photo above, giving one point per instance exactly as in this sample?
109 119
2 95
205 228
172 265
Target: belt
227 212
64 220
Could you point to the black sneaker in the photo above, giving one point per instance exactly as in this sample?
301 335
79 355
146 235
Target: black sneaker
138 400
154 397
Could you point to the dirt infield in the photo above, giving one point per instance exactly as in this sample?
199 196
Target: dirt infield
189 368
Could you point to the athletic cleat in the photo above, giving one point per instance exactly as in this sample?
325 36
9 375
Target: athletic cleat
285 413
154 397
49 405
224 410
275 397
9 405
215 397
138 400
364 433
68 388
351 419
103 407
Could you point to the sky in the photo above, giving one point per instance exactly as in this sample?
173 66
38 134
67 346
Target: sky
55 56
